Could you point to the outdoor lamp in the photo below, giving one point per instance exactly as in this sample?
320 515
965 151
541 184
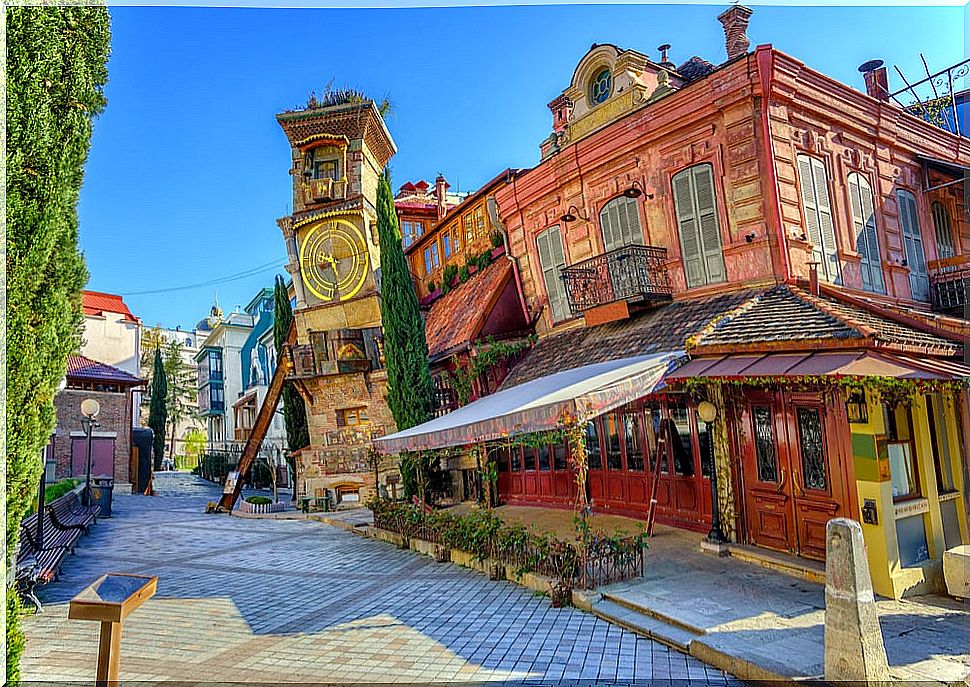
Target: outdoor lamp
707 412
572 213
89 409
636 190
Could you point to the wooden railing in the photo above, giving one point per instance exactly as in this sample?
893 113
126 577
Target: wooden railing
950 283
322 190
633 273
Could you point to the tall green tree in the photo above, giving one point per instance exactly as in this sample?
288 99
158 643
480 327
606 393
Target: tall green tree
294 410
158 408
410 391
56 70
182 378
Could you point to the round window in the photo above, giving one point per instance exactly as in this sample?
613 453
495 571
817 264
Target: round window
601 87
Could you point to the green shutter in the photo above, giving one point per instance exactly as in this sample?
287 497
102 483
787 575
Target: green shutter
698 225
919 282
551 260
813 182
710 227
620 223
864 226
690 242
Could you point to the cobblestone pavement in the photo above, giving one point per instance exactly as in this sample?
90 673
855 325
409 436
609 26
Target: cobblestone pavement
278 601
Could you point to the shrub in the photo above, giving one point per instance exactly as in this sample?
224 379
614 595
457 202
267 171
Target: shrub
483 260
58 489
448 277
497 239
464 274
259 500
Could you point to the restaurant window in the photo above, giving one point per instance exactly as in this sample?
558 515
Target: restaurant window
764 441
502 459
704 438
594 458
681 445
529 458
634 447
940 442
559 456
817 208
543 452
552 260
811 438
516 458
652 427
695 206
611 432
900 452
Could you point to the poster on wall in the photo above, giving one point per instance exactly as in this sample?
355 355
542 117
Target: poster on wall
230 484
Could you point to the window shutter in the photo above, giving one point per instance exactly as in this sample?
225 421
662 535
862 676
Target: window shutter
690 243
710 228
864 226
552 259
944 237
620 223
919 282
813 182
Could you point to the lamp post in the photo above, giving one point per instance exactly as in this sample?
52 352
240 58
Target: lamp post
707 412
89 409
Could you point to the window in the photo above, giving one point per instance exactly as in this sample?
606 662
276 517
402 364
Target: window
446 244
866 238
559 456
940 441
652 428
614 455
502 459
620 223
544 451
326 169
456 240
944 236
217 398
601 87
704 445
681 444
411 231
529 457
812 444
764 442
431 258
594 458
469 228
215 365
919 282
516 459
634 449
814 185
552 259
479 222
901 452
698 225
352 417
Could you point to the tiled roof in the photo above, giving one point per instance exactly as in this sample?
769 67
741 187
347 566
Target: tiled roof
456 318
787 317
98 303
660 330
81 367
695 68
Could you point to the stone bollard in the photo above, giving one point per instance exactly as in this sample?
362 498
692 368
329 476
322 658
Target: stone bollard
854 649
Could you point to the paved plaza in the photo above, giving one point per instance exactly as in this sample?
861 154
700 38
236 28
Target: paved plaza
277 601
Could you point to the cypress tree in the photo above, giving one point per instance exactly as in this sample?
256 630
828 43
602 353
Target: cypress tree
410 391
158 408
294 411
56 70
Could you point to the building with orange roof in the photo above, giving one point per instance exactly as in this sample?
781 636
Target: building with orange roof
112 335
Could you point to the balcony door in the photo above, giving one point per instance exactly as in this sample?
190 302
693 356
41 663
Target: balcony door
620 223
697 224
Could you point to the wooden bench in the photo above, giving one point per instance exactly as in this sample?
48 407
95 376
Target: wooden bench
67 513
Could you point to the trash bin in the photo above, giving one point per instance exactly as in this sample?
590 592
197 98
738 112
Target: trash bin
101 491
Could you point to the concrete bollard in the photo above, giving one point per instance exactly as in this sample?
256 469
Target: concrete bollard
854 649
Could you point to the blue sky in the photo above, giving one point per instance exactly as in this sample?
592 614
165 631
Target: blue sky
188 168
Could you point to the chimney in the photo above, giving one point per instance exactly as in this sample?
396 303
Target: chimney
664 60
735 21
440 190
813 279
877 79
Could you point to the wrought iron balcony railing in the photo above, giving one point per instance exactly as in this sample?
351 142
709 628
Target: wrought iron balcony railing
322 190
633 274
950 284
933 99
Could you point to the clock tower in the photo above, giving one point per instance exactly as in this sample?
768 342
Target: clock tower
338 152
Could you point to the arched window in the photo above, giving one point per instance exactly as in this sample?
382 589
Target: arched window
697 223
866 239
601 87
620 223
817 207
944 236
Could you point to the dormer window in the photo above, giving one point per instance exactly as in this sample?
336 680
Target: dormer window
601 87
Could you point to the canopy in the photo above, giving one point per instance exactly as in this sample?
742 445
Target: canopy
844 363
538 405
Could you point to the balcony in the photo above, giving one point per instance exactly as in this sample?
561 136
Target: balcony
340 351
323 190
635 274
950 284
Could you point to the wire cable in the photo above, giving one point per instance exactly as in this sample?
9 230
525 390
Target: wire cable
252 271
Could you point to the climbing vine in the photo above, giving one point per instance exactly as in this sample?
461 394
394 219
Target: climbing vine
490 355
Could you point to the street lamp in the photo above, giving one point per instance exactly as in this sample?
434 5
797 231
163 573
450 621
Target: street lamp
707 412
89 409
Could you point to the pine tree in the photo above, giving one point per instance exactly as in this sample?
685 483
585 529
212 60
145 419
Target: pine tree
56 70
294 412
158 408
410 391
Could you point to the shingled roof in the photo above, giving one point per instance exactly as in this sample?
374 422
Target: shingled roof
664 329
81 367
788 318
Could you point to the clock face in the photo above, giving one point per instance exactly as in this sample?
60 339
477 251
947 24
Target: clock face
334 260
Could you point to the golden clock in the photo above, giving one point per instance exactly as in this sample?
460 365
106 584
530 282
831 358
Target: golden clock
334 260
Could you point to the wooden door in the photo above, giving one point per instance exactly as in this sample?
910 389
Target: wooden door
768 507
102 456
817 486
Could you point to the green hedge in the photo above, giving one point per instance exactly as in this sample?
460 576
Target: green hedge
259 500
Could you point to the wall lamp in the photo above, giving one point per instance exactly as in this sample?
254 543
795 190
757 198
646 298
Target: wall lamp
573 213
636 190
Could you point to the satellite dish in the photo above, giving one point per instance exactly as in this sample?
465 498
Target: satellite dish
870 66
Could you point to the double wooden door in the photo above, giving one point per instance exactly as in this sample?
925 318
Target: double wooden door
792 472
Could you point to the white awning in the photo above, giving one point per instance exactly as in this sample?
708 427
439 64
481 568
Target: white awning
537 406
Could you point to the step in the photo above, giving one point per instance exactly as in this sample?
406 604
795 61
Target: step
653 613
802 568
645 625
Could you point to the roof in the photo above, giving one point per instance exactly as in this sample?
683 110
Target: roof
98 303
538 406
82 367
788 318
456 318
663 329
695 68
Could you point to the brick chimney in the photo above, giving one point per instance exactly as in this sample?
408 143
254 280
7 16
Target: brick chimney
735 22
877 79
440 192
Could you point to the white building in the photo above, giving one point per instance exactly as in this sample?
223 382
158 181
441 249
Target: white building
112 335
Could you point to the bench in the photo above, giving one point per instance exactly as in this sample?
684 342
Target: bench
67 513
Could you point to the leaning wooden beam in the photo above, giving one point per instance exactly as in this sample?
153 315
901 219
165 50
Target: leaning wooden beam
261 426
